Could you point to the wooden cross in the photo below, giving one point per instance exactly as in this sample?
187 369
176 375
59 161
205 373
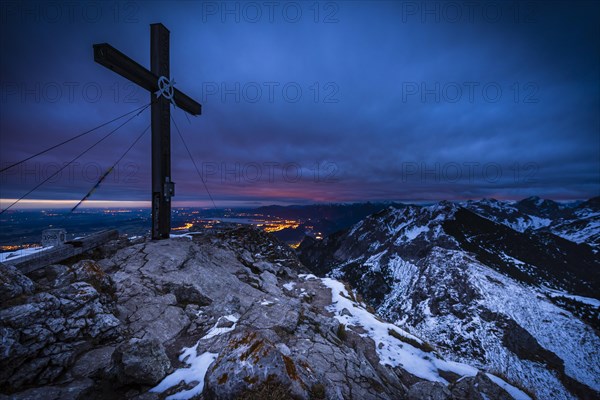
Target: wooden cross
157 82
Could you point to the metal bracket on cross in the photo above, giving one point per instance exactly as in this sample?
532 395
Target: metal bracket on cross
166 88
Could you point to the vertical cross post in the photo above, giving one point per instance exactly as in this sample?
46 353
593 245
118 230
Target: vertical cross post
162 186
157 80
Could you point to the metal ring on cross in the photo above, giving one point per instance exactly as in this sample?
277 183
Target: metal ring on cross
166 88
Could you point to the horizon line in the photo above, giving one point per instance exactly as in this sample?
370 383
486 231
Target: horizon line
39 204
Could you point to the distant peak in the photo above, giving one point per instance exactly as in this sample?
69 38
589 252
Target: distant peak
533 199
444 207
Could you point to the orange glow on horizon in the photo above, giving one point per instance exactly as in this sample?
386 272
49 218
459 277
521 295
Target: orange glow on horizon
34 204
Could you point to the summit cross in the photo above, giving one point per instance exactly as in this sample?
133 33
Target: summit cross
162 94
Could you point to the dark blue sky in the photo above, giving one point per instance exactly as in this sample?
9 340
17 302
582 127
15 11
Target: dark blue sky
308 102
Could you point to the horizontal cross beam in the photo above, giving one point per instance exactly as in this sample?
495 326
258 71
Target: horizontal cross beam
113 59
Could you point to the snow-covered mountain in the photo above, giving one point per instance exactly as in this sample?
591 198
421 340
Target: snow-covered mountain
577 222
582 225
508 213
543 208
518 302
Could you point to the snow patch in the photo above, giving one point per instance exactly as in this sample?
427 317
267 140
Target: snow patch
12 255
355 228
412 233
197 365
184 235
391 349
373 261
195 372
215 331
585 300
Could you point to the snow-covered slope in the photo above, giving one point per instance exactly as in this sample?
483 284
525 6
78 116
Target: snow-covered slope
582 225
488 295
490 321
579 223
507 213
15 254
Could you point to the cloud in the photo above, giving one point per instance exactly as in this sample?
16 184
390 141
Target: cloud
384 89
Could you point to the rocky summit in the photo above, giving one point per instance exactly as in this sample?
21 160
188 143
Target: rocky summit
222 315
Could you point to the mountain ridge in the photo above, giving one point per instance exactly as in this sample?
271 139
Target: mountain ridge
430 270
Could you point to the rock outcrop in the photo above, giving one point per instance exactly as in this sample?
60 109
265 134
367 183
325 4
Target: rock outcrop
214 316
44 332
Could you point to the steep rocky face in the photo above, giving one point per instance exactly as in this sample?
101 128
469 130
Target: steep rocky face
534 258
213 316
479 291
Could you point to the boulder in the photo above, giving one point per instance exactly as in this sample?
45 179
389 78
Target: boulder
429 391
13 283
248 363
187 294
478 387
140 361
